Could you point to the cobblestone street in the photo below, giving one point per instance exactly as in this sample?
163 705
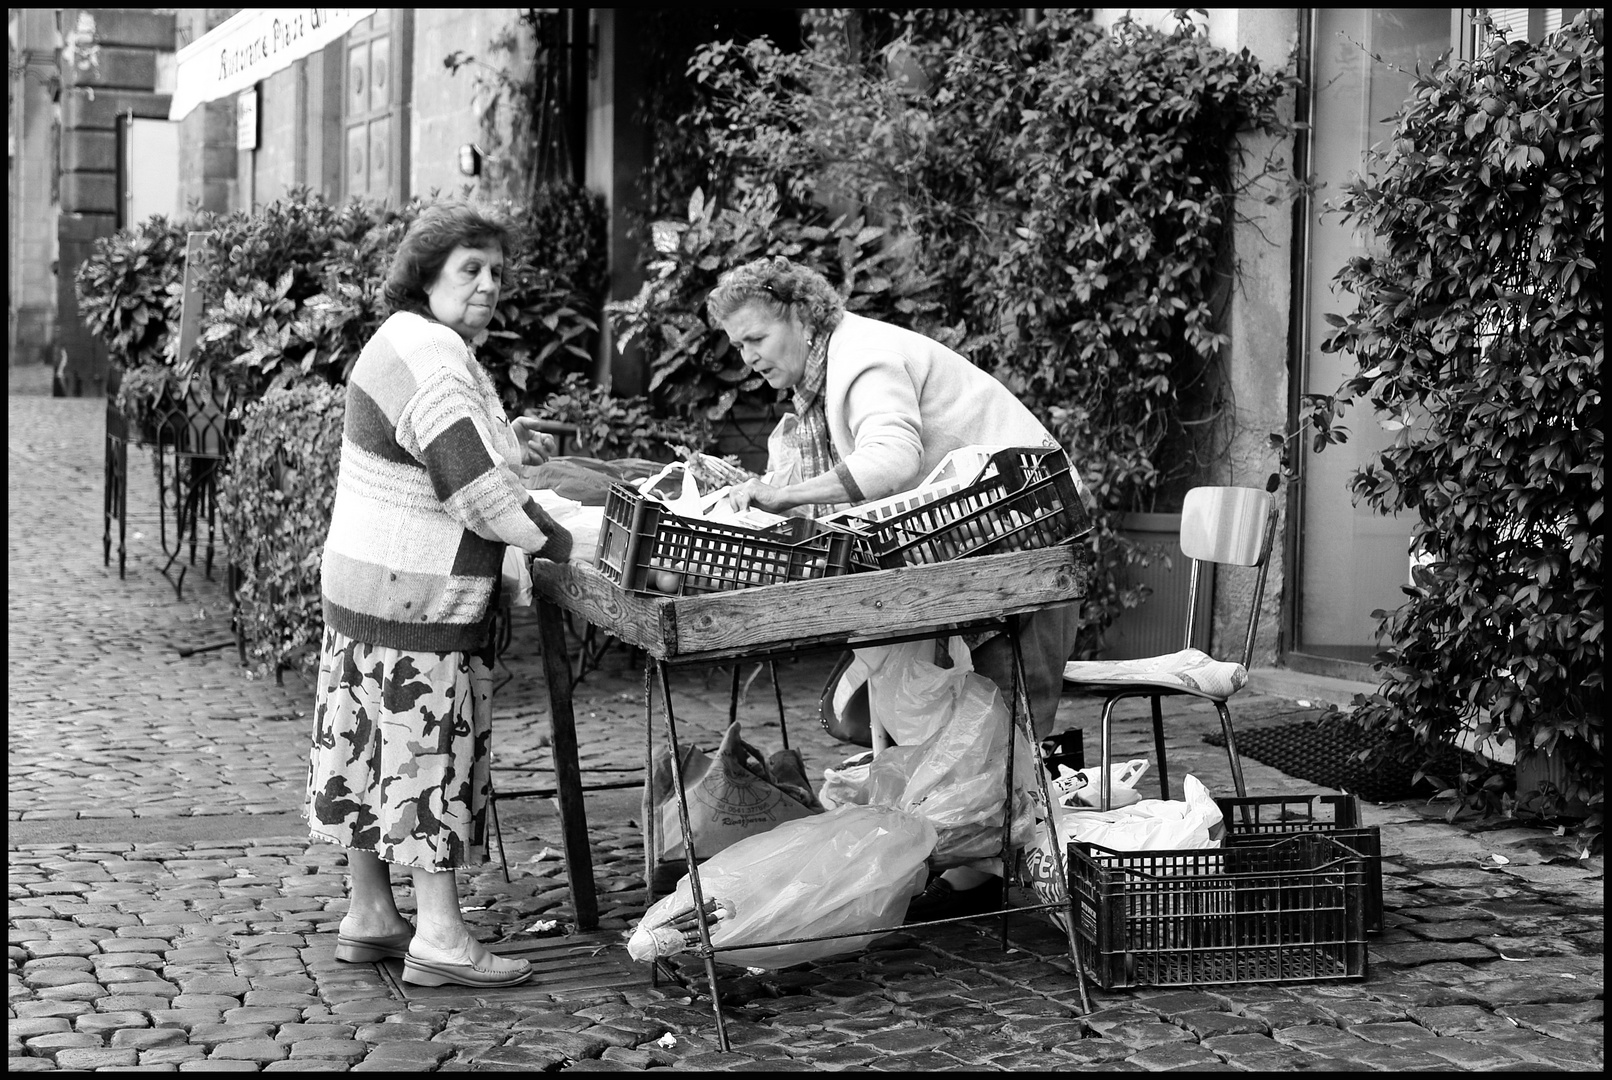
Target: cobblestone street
167 910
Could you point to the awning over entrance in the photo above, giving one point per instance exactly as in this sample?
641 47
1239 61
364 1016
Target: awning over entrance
251 46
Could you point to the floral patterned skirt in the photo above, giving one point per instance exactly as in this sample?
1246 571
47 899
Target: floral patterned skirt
400 759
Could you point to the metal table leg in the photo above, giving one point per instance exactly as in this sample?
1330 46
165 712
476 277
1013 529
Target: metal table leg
695 890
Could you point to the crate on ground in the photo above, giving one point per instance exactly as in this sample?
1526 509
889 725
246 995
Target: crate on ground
646 548
1021 499
1292 910
1268 818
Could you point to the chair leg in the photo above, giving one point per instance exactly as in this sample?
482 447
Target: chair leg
1231 749
1103 777
1158 747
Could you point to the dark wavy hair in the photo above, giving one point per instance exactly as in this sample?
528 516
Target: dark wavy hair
778 285
428 243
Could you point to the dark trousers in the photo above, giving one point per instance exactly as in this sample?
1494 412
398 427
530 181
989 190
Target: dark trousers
1046 638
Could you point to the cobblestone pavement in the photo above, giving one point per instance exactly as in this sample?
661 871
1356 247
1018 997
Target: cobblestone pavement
168 912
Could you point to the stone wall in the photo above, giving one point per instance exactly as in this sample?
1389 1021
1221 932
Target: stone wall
31 190
207 135
444 102
109 67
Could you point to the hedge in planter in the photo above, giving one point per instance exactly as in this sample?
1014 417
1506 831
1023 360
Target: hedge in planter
275 502
1479 337
129 290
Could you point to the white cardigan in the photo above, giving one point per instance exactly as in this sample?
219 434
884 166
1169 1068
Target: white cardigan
898 402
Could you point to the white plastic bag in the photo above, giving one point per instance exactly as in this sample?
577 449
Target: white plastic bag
1152 824
954 777
712 506
584 523
1149 825
909 695
850 869
783 453
517 579
1083 787
848 784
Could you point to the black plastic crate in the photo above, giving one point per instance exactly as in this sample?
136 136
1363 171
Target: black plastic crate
1264 819
1292 910
1024 498
646 548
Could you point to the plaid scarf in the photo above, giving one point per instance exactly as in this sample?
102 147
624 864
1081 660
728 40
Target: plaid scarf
811 437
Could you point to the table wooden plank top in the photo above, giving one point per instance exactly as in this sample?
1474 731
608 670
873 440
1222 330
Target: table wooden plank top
845 609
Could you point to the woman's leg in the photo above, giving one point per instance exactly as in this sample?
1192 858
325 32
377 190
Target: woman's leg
372 910
440 932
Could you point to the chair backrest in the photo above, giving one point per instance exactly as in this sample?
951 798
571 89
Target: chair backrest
1225 524
1233 525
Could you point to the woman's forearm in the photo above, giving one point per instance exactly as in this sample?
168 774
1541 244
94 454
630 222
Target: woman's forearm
822 488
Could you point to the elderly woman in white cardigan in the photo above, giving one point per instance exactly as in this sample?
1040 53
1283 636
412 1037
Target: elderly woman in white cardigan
878 408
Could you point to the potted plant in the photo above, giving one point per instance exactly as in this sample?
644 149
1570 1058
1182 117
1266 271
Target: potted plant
128 293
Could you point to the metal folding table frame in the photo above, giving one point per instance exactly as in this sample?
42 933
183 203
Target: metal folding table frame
848 611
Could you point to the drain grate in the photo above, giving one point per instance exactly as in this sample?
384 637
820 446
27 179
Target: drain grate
596 961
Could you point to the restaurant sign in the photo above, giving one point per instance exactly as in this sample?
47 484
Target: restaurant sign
251 46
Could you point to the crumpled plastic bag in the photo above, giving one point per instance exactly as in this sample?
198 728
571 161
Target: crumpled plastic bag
908 696
954 778
1192 824
783 453
853 868
1151 824
1083 787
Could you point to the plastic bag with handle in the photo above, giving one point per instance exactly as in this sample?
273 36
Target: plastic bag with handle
1152 824
851 869
1193 823
954 777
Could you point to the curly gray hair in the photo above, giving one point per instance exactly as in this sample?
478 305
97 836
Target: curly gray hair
779 285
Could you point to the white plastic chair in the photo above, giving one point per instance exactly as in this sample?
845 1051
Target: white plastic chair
1233 526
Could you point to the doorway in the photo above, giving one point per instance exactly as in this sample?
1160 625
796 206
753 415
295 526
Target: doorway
1350 560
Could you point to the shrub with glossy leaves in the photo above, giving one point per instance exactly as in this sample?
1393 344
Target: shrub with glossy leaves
1479 337
695 370
129 291
609 427
293 291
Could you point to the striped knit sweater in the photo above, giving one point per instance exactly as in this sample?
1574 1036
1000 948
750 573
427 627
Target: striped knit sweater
427 495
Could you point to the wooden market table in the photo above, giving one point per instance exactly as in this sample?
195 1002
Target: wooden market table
847 611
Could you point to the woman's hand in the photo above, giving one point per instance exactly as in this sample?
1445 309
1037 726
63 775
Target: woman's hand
760 494
536 446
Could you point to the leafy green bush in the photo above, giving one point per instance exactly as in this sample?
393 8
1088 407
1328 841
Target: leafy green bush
694 369
293 291
144 396
129 290
545 327
1479 338
274 504
610 427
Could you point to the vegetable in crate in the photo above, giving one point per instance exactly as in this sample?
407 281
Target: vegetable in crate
879 408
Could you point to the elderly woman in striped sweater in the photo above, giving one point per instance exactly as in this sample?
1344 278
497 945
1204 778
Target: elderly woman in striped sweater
427 498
